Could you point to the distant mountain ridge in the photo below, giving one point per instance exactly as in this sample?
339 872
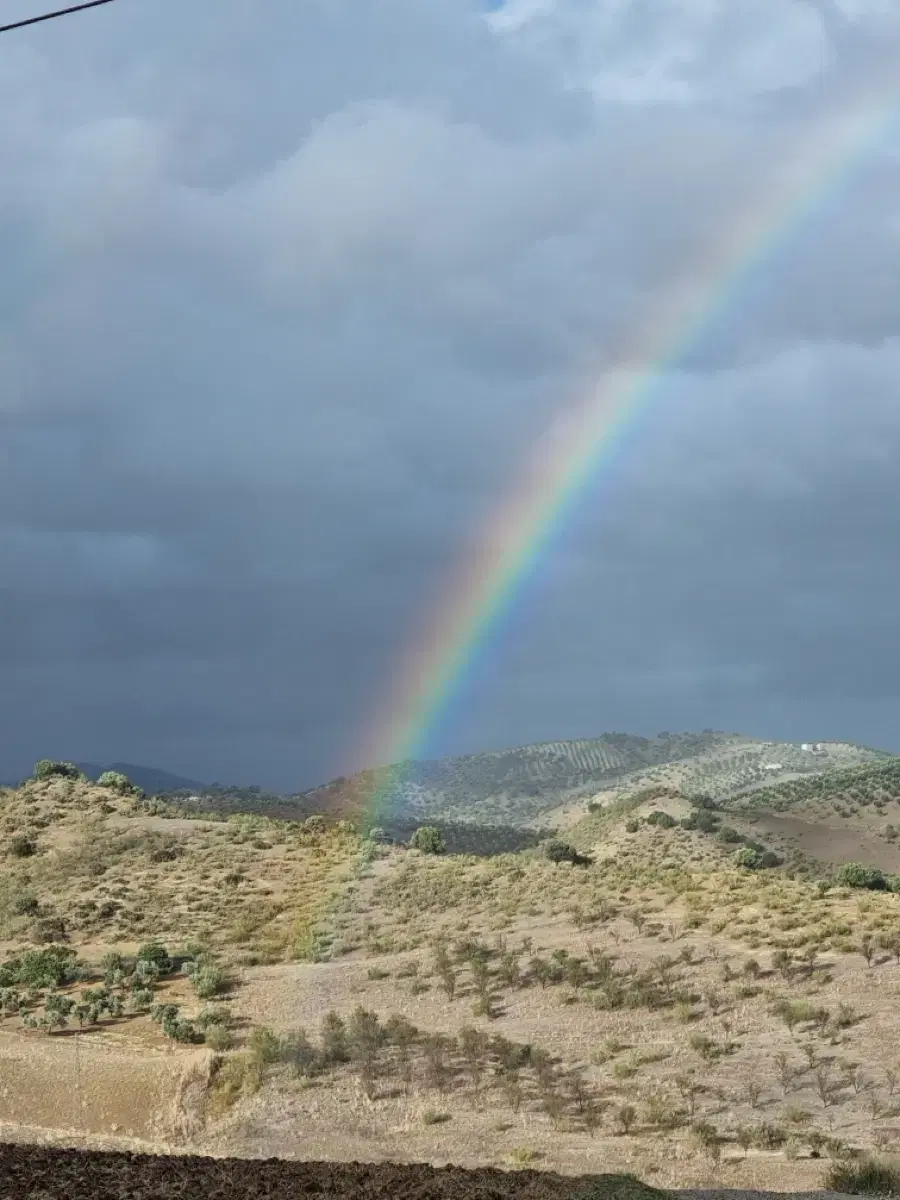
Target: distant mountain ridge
153 780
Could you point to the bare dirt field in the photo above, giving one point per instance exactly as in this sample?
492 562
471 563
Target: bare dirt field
40 1173
824 840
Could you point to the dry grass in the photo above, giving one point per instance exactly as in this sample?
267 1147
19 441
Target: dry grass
105 874
698 1024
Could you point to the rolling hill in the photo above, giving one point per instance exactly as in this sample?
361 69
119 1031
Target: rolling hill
281 988
527 785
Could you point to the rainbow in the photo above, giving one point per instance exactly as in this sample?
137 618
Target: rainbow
590 433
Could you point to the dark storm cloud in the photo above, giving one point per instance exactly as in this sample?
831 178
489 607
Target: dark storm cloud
285 301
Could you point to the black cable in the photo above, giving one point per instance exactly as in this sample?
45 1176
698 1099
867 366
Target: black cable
62 12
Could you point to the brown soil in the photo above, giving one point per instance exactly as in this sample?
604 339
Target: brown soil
42 1173
825 840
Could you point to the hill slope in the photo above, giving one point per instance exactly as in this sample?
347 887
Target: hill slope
638 1011
522 786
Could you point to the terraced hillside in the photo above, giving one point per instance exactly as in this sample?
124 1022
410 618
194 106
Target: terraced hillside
761 765
509 787
851 789
725 771
850 815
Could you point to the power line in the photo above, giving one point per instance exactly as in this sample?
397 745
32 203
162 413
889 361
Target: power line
62 12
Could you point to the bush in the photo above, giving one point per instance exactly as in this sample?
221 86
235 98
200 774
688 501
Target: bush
218 1037
706 822
155 955
209 980
663 819
22 845
264 1046
430 1117
429 840
234 1075
50 968
25 905
47 768
178 1028
856 875
51 928
215 1014
182 1030
557 852
117 782
703 802
868 1177
748 858
298 1052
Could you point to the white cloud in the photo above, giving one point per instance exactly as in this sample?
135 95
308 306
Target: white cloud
639 52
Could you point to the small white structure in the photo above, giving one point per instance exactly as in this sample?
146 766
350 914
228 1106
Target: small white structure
773 767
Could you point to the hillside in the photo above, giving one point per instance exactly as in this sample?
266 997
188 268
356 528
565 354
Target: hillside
287 989
531 785
842 791
86 865
512 786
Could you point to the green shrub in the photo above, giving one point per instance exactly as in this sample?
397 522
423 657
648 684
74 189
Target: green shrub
297 1051
117 782
748 858
25 905
706 822
663 819
178 1028
47 768
729 836
155 955
209 980
856 875
263 1045
429 840
557 852
182 1030
218 1038
214 1014
50 968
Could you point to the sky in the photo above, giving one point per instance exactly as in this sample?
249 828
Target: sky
289 292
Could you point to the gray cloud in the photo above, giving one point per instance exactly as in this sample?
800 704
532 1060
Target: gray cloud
285 303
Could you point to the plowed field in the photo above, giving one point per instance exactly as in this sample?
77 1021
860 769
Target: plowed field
43 1173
